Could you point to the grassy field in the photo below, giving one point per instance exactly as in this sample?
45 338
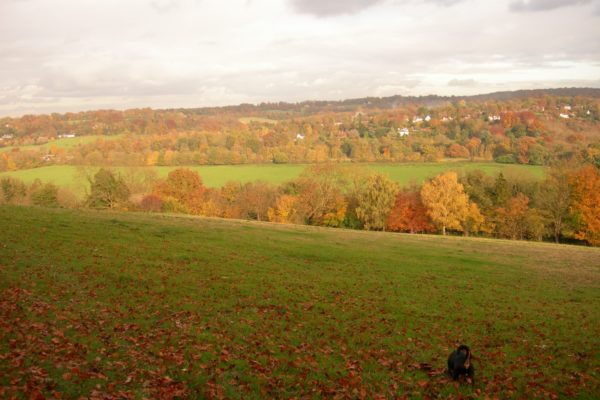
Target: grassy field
217 176
63 143
135 305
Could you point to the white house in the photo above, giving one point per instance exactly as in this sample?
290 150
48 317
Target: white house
417 120
428 118
66 135
403 132
494 118
299 137
568 108
566 116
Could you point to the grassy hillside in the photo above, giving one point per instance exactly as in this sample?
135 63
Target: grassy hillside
218 175
157 306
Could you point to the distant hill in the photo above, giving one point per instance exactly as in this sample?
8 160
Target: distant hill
390 102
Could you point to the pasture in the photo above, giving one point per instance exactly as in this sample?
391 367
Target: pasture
217 175
155 306
63 143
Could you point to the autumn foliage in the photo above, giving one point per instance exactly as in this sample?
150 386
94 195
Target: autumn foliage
409 214
586 191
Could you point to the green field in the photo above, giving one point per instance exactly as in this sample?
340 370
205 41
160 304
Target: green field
218 175
65 143
125 305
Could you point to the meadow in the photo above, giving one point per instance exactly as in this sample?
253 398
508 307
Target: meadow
217 175
158 306
64 143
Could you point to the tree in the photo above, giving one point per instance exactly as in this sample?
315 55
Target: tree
107 190
45 196
409 214
257 198
12 190
474 220
284 210
554 200
585 184
321 200
446 201
185 187
517 221
375 201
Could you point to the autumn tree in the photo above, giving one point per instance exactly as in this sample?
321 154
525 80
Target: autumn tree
183 186
257 197
446 201
375 201
284 210
517 220
585 184
409 214
320 191
107 190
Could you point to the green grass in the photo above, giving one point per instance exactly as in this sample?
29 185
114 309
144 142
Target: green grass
217 176
153 306
65 143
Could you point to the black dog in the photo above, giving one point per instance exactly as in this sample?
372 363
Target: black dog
459 363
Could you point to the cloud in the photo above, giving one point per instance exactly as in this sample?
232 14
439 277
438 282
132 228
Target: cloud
544 5
462 82
322 8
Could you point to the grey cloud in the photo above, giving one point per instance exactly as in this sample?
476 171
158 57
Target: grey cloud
322 8
544 5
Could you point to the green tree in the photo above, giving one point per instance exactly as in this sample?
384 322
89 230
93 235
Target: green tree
375 201
107 190
45 196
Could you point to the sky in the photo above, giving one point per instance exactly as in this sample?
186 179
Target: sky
75 55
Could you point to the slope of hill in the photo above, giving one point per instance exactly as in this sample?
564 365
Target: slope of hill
138 305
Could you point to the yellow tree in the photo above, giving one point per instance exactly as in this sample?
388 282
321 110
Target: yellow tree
284 210
446 201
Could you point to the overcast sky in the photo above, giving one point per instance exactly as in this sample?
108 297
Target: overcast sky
72 55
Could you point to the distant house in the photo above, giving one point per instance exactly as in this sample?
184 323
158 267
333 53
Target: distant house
417 120
6 137
300 137
427 118
568 108
403 132
446 119
494 118
66 135
565 116
48 157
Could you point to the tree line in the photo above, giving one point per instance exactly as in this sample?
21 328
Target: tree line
524 131
563 207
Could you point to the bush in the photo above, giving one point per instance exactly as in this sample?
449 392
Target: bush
45 196
151 203
506 159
